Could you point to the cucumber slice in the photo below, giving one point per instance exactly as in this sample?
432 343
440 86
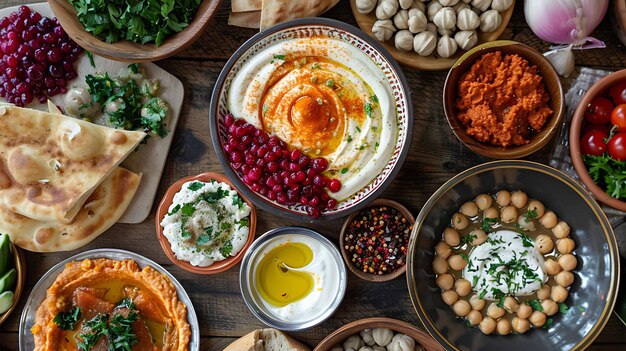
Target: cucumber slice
6 301
5 252
7 281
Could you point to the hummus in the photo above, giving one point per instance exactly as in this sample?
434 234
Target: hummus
109 291
324 97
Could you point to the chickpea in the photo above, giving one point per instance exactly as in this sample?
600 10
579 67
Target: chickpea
487 325
474 317
565 245
561 230
519 199
445 281
559 294
477 303
520 325
503 198
470 209
451 237
504 327
483 201
510 304
442 249
524 311
564 278
549 220
440 265
461 308
457 262
568 262
537 319
494 311
459 221
508 214
463 287
551 266
544 292
544 243
449 297
479 236
550 308
537 207
491 212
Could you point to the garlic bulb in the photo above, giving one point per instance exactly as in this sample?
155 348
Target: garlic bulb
382 336
467 20
449 32
406 4
366 335
383 29
466 39
425 43
562 60
353 342
460 7
445 18
417 21
401 342
446 46
418 5
401 19
365 6
366 348
379 348
432 8
431 27
448 2
404 40
386 9
490 21
482 5
501 5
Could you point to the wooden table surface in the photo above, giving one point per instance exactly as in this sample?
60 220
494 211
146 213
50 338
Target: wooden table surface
435 156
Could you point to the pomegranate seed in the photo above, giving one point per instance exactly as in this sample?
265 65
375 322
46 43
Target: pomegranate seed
320 164
331 203
334 185
229 120
295 154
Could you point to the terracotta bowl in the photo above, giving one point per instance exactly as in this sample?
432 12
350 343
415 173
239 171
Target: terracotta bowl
553 87
348 259
217 267
20 267
574 139
341 334
128 51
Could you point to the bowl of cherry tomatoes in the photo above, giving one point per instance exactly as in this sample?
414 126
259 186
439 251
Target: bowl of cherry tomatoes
598 140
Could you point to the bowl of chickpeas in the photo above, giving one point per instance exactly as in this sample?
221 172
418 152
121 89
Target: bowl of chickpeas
512 255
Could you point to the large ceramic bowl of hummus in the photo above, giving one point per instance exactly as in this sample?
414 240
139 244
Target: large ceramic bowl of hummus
311 97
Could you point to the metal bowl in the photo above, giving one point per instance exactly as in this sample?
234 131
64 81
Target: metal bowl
255 302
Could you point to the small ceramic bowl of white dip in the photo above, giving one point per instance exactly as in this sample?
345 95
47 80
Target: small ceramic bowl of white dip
292 278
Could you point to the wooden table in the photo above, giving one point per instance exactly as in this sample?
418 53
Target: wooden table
435 156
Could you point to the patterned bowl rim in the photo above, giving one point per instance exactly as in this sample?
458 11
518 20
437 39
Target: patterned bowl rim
331 24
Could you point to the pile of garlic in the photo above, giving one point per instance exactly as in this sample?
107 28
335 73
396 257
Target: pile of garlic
378 339
424 25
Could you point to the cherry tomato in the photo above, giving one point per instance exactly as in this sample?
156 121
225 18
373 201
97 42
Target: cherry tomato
596 127
592 143
599 111
617 146
618 117
618 93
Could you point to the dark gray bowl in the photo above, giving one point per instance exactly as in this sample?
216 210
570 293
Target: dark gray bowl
597 274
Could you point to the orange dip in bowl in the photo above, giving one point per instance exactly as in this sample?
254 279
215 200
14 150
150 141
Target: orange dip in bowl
502 100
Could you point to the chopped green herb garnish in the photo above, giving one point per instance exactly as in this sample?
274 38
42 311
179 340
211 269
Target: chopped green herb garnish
330 83
374 98
226 249
531 214
549 323
203 239
195 186
174 210
279 57
349 138
464 256
244 222
95 328
188 209
487 222
126 302
67 320
468 238
90 56
368 109
535 304
265 109
344 170
563 308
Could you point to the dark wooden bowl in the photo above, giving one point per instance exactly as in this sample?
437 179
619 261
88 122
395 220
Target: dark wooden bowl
130 51
344 253
216 267
341 334
20 268
574 139
553 87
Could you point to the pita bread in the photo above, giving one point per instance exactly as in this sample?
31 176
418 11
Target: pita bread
250 19
50 164
278 11
246 5
102 209
267 339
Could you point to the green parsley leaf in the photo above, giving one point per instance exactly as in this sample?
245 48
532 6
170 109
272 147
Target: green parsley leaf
535 304
549 323
344 170
126 302
244 222
563 308
531 214
238 201
608 173
94 329
226 249
195 186
330 83
368 109
203 239
90 56
188 209
279 57
174 210
374 98
67 320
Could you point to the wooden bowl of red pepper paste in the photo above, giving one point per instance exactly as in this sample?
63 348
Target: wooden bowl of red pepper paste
374 241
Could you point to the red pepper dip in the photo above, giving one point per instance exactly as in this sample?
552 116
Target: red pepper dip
502 100
377 240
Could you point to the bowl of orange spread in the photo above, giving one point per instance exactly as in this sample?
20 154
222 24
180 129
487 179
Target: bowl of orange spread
503 100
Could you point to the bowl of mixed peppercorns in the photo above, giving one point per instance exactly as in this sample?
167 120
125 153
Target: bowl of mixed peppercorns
374 240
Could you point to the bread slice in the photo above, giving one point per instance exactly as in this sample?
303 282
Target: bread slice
267 339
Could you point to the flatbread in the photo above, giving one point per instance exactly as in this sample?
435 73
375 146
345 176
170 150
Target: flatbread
250 19
245 5
278 11
101 210
50 164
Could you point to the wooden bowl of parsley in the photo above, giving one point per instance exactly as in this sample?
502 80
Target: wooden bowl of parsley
148 31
